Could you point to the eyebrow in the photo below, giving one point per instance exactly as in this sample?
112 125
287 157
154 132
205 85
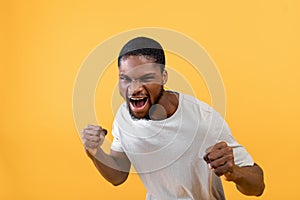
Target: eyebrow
145 75
150 74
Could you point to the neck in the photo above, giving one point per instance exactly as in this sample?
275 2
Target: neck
165 107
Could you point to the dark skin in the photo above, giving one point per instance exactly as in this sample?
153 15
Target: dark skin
249 180
141 77
114 167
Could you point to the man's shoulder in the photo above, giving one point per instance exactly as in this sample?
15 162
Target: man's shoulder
122 110
187 99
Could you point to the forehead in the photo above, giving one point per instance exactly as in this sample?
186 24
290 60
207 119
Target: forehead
138 65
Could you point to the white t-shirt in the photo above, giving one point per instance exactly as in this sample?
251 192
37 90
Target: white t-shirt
168 154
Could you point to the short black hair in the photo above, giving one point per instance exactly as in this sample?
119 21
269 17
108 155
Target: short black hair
145 47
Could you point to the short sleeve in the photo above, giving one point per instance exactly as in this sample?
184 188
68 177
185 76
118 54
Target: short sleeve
116 144
241 156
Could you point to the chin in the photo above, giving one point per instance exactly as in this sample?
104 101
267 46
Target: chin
139 115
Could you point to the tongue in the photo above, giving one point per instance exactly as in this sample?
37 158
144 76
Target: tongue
140 103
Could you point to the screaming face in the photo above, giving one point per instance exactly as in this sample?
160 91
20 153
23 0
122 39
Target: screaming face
139 106
140 84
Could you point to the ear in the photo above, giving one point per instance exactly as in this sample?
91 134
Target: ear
164 77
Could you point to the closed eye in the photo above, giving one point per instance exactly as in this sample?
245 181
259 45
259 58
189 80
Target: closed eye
125 78
147 79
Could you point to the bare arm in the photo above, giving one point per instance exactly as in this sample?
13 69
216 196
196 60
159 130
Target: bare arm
114 167
249 180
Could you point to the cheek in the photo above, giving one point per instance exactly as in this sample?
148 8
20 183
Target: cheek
154 90
122 90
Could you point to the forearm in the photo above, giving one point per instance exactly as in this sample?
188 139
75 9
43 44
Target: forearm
249 180
112 169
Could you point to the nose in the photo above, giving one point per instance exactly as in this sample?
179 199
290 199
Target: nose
135 87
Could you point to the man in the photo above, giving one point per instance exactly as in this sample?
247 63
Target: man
178 145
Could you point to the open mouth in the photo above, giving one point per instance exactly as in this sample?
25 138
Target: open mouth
138 103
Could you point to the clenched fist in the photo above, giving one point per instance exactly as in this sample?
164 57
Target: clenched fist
93 138
221 160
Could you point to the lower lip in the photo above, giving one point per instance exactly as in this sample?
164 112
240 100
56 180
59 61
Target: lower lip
138 109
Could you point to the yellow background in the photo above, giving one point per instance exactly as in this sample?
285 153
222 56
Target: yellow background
43 43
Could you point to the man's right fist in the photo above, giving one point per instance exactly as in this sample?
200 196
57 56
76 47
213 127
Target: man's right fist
93 138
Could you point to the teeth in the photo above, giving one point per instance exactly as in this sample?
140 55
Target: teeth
137 98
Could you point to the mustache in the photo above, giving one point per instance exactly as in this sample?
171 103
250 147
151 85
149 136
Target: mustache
144 94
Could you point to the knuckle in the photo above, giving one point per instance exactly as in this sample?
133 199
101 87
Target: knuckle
93 132
101 136
98 132
210 157
223 144
228 166
223 162
229 149
228 158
